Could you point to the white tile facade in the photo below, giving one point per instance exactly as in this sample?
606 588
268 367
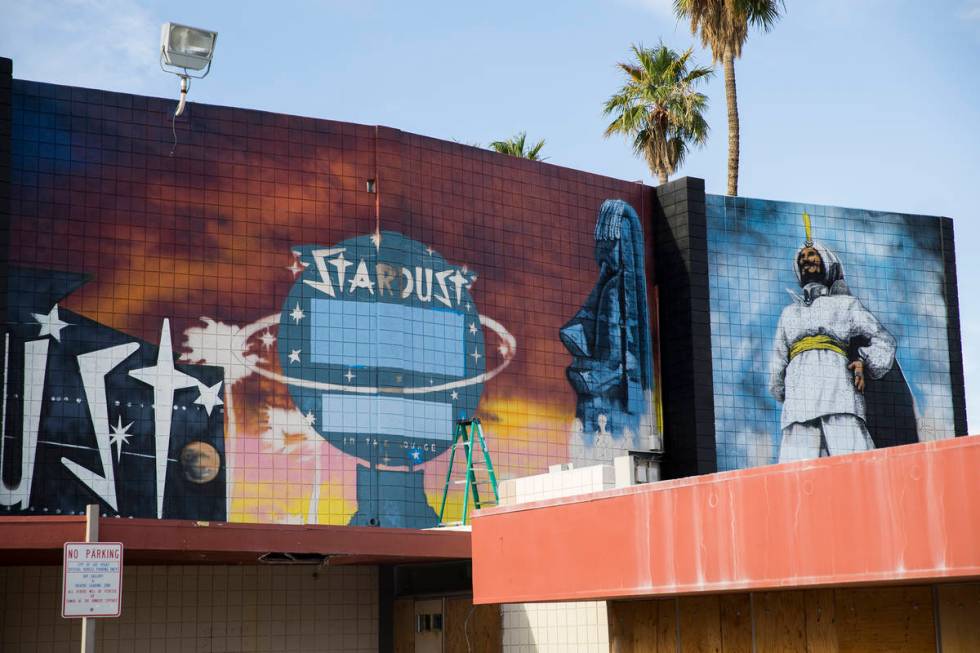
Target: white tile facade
201 609
579 627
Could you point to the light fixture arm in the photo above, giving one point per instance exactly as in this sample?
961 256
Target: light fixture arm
185 85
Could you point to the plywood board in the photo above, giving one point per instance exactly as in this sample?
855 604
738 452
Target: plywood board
482 626
736 623
885 619
666 636
700 618
959 617
780 622
821 628
403 623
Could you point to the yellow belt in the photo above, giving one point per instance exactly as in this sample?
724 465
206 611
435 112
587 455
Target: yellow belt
809 343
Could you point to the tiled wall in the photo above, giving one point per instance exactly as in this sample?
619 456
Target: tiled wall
208 609
577 627
889 308
312 385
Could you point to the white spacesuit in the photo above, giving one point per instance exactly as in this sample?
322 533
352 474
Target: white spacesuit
811 371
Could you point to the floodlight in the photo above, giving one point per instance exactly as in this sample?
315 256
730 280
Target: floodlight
186 48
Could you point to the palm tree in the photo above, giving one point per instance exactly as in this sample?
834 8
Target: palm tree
517 146
723 26
658 107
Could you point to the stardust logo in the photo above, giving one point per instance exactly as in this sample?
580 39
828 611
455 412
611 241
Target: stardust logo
382 346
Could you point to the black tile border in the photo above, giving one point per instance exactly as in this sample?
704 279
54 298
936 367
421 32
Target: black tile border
953 334
681 262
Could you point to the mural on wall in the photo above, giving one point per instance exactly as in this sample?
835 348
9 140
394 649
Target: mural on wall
828 352
834 363
381 348
301 343
609 339
91 415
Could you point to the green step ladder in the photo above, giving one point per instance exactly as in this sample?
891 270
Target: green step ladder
468 432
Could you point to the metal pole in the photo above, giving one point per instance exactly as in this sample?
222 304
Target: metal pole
91 535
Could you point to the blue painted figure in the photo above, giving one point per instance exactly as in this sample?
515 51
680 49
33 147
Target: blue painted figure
609 339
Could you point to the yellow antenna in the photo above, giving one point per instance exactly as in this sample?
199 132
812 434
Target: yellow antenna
806 226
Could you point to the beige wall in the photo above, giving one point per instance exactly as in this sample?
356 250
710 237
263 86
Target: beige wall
201 609
556 627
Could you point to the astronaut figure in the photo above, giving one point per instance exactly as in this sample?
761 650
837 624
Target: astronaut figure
826 344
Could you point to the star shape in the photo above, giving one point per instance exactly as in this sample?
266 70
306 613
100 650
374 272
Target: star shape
349 376
209 396
429 250
310 418
454 395
476 355
267 339
297 313
376 239
51 324
468 306
416 455
119 436
297 267
473 328
294 355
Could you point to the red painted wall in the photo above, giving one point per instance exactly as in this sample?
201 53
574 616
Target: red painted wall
891 515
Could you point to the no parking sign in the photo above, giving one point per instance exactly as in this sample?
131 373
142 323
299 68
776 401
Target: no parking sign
92 585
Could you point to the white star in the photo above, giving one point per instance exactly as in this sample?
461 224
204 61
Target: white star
165 380
297 313
297 267
376 239
454 395
467 306
267 339
473 328
119 437
310 418
209 396
51 324
294 355
429 250
476 355
349 376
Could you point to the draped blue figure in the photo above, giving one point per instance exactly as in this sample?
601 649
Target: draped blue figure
609 339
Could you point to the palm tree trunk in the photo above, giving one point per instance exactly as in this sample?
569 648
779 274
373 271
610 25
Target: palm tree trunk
663 177
728 61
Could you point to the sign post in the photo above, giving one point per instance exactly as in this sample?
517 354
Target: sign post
92 581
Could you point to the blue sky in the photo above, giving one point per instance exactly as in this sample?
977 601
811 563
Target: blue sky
872 104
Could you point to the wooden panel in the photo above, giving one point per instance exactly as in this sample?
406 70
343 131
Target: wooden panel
484 627
885 619
736 623
700 624
959 617
403 623
821 630
633 626
666 636
780 622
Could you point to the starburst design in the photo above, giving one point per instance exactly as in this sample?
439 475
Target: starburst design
473 328
119 436
310 418
294 355
297 313
476 355
267 339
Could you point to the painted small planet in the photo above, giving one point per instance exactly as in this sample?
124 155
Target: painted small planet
200 461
